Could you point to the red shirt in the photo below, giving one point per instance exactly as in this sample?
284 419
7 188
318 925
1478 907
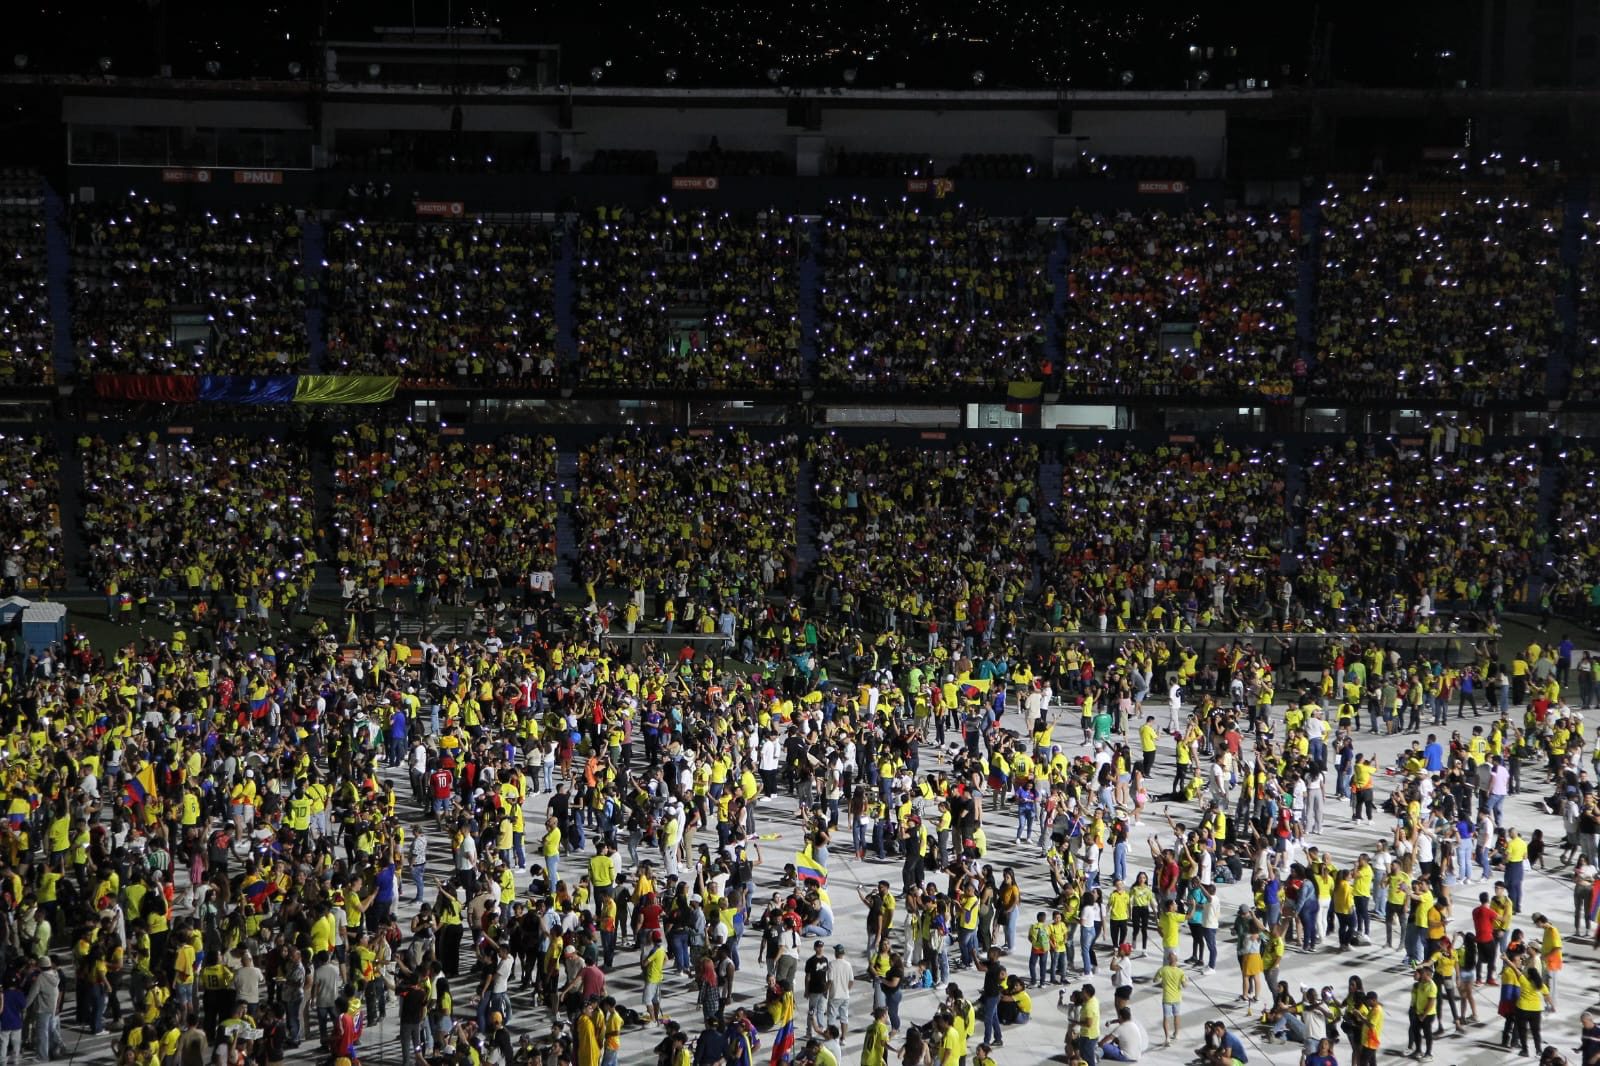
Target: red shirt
1483 922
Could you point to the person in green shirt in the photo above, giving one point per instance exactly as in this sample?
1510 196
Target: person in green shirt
1171 979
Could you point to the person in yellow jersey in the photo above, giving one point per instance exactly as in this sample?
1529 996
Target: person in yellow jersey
1532 999
875 1042
1516 866
652 968
1550 956
1424 1009
1371 1032
590 1030
550 849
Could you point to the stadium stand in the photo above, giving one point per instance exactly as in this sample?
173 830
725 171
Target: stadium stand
672 298
1383 527
162 290
1182 535
1574 583
916 534
1138 167
440 517
31 556
988 166
935 299
25 356
707 517
1584 380
1445 297
452 301
230 517
1199 302
883 165
734 163
630 162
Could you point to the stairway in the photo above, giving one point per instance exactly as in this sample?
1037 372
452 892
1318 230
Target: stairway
322 494
1305 293
566 295
805 500
1558 374
1056 271
1551 478
566 501
1048 509
810 282
313 251
73 546
1294 484
58 282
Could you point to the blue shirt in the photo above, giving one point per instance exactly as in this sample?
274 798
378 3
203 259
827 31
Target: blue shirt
1434 754
11 1010
385 885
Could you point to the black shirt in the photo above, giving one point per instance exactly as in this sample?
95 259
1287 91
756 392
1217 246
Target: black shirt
816 975
413 1005
991 979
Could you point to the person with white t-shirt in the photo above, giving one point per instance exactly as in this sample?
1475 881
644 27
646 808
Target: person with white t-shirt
1124 1039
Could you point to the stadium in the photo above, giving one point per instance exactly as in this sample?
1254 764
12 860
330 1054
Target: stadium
514 522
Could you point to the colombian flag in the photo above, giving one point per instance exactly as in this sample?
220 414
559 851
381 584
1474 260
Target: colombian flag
783 1031
808 869
141 786
256 892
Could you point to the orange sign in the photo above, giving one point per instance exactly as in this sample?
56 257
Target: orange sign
686 183
258 177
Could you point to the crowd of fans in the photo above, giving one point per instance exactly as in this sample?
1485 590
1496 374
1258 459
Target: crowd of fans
31 559
913 537
1181 303
1584 382
708 519
936 298
453 301
1573 584
228 522
1392 533
25 334
141 269
433 517
1180 536
674 298
1419 302
268 845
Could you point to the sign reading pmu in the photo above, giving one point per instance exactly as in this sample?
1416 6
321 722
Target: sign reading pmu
258 177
